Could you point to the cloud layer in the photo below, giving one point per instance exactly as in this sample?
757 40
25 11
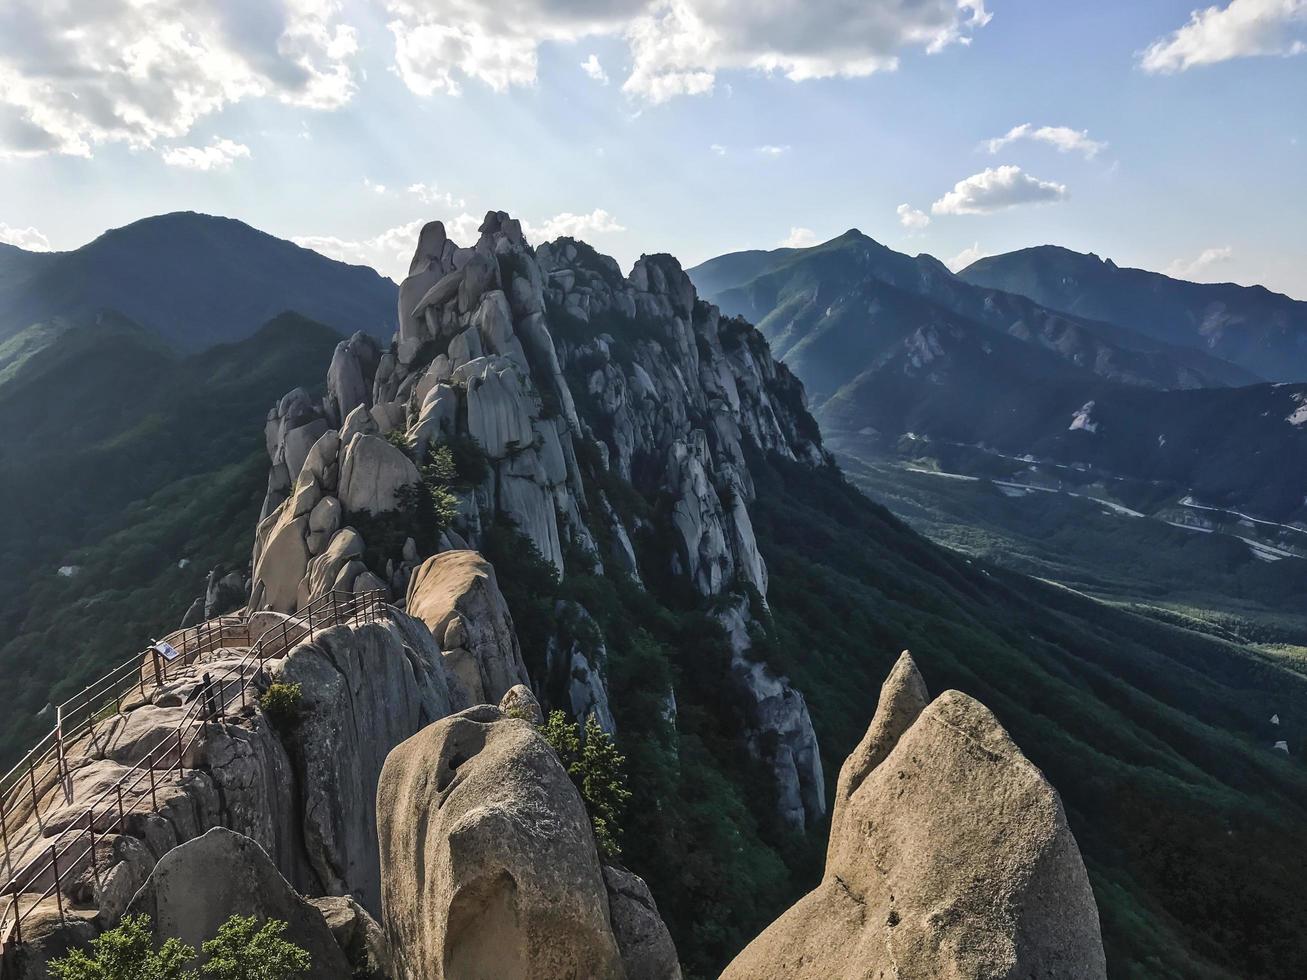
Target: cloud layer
218 155
677 47
80 73
996 189
1242 29
390 251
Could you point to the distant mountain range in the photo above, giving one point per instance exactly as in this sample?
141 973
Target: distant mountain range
893 347
1250 326
194 280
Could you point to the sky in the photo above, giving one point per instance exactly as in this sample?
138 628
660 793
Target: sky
1158 135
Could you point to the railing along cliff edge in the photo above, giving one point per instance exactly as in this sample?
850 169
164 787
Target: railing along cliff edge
44 769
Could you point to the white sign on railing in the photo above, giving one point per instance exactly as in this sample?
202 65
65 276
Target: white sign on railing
166 650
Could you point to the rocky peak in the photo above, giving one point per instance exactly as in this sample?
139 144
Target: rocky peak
949 856
562 374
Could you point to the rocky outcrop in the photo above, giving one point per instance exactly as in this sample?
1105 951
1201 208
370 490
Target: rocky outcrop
565 379
197 886
648 952
359 936
575 657
302 790
489 866
364 690
950 856
455 593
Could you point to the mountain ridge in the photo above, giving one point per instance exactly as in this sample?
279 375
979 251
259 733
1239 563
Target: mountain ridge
1255 327
195 279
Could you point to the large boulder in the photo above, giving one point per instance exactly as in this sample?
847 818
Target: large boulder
455 593
280 566
648 952
950 856
488 862
196 887
358 935
372 473
364 689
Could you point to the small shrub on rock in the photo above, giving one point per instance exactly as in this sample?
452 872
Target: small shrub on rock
127 953
245 950
242 950
283 704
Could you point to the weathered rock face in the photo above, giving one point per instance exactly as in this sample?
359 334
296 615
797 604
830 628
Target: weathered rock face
303 792
950 856
567 375
455 593
489 867
646 946
359 936
365 690
196 887
574 658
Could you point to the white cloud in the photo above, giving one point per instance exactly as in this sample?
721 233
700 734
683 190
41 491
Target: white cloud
220 154
390 251
1198 268
1063 138
80 73
677 47
964 258
597 222
595 70
799 238
912 219
995 189
26 238
374 187
770 150
429 194
718 149
1241 29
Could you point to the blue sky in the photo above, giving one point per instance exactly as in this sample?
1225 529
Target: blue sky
1162 137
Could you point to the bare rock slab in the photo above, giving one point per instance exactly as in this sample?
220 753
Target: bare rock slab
950 857
488 862
196 887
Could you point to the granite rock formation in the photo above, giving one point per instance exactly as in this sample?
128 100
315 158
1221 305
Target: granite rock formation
563 374
949 856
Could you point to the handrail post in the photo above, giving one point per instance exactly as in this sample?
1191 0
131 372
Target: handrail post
61 761
18 921
4 839
122 817
154 802
36 800
179 753
58 883
95 868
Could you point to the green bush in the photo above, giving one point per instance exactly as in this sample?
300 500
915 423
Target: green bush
242 950
127 953
598 770
245 950
283 704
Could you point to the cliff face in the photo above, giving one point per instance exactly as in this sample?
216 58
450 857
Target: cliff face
559 385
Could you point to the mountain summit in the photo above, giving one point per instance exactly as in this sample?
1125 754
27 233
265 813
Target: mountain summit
194 279
1259 330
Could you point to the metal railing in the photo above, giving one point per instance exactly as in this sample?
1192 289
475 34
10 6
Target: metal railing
39 771
32 876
